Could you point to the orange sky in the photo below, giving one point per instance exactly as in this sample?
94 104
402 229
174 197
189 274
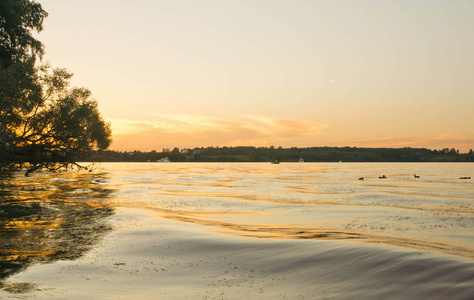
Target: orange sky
272 72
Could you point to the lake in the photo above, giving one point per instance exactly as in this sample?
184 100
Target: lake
233 230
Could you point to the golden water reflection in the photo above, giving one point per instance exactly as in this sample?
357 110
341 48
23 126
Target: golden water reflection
49 216
323 201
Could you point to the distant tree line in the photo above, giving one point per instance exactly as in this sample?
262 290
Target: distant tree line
269 154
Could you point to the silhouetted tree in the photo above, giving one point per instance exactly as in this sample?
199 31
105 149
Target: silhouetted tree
18 19
43 122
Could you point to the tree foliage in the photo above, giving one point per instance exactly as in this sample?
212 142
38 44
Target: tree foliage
43 122
18 20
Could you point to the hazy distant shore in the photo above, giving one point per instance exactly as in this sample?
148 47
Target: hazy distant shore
293 154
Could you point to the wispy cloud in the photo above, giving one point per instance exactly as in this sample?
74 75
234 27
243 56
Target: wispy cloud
182 130
125 127
196 130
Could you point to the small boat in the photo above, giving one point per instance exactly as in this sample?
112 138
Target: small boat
361 178
276 162
416 176
464 177
164 160
383 177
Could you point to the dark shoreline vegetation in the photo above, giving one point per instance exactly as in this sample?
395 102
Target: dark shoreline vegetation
270 154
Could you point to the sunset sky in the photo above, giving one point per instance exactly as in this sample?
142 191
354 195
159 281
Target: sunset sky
189 73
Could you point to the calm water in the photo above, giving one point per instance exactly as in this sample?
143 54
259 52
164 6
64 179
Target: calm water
60 216
49 216
309 200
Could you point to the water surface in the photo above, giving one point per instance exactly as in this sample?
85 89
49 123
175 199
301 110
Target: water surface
310 200
49 216
239 230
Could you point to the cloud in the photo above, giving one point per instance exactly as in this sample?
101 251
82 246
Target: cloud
181 130
286 127
125 127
